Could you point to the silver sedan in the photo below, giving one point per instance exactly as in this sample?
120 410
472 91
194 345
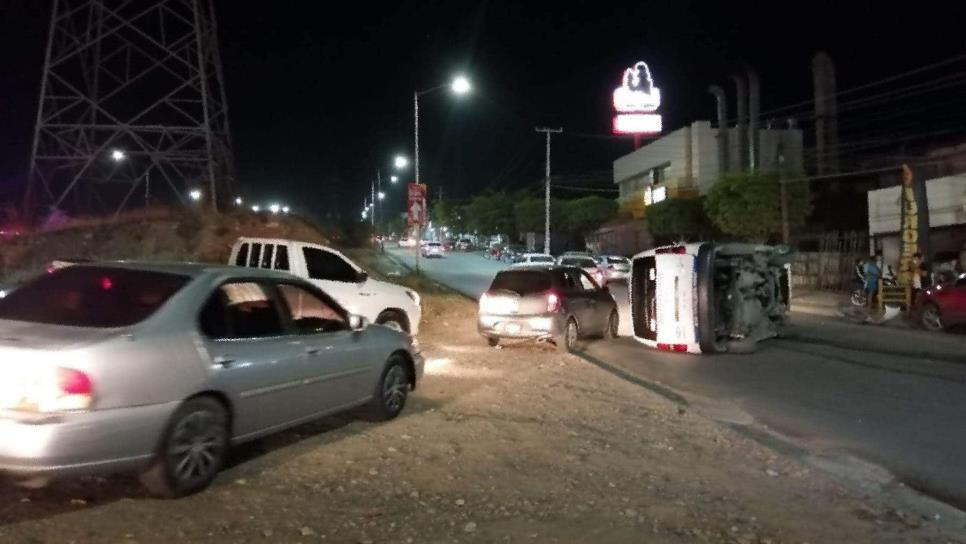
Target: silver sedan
160 369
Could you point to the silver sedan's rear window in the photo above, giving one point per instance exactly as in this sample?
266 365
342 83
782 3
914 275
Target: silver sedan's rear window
99 297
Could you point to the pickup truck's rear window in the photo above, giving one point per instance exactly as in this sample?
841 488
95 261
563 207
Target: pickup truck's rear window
88 296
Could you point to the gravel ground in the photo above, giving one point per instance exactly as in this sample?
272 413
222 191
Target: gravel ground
518 444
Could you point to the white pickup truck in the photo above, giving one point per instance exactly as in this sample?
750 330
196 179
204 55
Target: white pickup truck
380 302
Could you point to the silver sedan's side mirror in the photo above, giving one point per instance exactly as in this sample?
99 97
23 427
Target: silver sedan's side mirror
357 322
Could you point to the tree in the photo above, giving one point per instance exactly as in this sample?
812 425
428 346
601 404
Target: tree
677 219
585 215
748 206
529 214
491 213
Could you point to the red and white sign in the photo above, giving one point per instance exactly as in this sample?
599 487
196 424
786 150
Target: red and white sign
636 101
417 204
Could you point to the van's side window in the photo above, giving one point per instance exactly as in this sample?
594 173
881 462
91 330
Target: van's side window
323 265
256 253
267 255
242 258
281 258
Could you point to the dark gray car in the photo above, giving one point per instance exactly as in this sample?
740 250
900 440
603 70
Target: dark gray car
556 303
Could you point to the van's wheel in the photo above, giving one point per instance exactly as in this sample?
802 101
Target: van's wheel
613 326
192 451
391 392
567 341
492 341
931 318
394 320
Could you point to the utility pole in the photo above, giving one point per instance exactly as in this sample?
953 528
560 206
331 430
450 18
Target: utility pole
372 219
786 235
546 205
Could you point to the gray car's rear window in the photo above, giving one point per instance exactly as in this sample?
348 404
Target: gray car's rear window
523 282
98 297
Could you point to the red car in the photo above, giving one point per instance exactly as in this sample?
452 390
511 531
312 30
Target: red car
943 306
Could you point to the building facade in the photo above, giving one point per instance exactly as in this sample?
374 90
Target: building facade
685 163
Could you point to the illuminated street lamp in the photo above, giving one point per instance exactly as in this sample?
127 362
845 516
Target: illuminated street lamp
118 155
381 195
394 179
239 201
195 195
400 161
461 85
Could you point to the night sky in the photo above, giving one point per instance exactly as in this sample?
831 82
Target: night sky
321 96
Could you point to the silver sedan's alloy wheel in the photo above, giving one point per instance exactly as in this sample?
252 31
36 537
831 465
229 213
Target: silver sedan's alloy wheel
196 448
932 318
395 387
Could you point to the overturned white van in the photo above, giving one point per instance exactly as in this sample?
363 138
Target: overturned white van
709 298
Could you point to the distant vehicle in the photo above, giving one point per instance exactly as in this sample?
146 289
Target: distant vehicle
160 369
433 249
942 306
407 242
555 303
586 263
511 252
495 252
709 298
380 302
614 267
532 259
465 244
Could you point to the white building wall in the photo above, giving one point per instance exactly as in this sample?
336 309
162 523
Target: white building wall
947 205
632 171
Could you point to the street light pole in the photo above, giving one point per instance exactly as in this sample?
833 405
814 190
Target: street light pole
546 204
419 226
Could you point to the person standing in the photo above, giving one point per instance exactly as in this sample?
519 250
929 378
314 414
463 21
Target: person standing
872 274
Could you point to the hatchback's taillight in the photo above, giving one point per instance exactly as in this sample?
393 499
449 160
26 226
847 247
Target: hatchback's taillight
553 302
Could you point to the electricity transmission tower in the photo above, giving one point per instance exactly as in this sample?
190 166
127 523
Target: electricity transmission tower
132 96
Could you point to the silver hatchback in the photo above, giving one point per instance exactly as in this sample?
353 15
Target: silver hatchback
161 368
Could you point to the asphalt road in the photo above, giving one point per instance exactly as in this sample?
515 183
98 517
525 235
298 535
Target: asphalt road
892 397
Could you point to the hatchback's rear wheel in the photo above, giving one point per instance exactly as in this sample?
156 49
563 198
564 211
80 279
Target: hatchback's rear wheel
567 341
192 451
392 390
613 326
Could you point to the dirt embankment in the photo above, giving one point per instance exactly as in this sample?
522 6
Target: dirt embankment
519 444
161 236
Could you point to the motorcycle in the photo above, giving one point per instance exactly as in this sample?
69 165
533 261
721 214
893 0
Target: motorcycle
859 297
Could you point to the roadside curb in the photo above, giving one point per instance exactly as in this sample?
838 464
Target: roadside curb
812 309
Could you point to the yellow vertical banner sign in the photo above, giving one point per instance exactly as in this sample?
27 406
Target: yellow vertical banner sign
909 228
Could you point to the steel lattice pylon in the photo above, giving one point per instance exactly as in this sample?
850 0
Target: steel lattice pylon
140 77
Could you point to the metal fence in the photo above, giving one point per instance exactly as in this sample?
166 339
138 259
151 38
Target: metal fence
827 260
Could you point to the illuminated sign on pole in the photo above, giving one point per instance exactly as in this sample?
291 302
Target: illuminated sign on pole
417 204
636 102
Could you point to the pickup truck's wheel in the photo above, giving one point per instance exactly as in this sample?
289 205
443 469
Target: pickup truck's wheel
192 450
391 392
394 320
492 341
